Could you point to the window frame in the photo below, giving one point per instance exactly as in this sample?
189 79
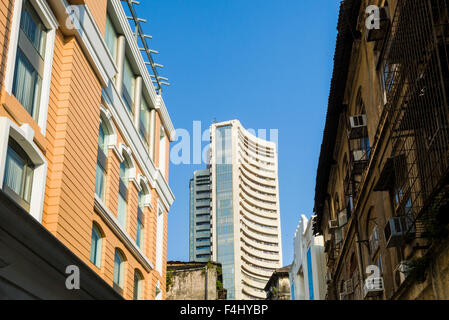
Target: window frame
102 158
98 247
49 21
110 23
24 198
24 136
138 285
129 98
118 286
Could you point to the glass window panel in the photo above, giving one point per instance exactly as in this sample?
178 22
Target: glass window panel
14 171
32 26
102 138
19 171
137 286
139 233
123 173
128 85
118 269
145 121
100 181
27 84
95 247
111 38
122 211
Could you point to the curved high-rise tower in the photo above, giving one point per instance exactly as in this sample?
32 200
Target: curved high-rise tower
246 231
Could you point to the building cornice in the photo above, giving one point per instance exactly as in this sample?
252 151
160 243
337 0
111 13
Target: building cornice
157 100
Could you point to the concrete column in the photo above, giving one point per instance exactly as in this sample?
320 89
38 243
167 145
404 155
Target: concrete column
152 132
137 101
121 46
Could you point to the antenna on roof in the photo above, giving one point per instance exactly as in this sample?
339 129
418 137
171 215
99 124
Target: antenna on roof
156 79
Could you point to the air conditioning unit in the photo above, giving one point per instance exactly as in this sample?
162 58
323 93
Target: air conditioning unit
373 287
400 273
396 229
358 121
360 155
343 218
333 224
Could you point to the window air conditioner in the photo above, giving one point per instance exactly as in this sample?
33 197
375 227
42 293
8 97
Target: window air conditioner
358 121
396 229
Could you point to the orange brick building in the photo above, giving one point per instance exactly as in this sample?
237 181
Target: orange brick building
84 137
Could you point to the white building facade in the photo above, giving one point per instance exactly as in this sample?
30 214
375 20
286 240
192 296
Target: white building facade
308 270
246 230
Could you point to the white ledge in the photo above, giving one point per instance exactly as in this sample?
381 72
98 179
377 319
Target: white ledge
118 230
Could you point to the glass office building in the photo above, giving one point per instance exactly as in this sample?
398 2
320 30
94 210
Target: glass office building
200 230
245 210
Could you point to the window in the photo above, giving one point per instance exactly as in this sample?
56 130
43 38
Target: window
95 246
140 215
128 86
111 37
162 151
100 179
29 64
23 168
159 239
138 279
18 178
144 127
123 193
119 270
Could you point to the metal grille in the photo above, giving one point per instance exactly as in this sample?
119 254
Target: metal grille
416 78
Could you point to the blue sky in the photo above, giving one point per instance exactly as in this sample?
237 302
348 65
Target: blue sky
267 63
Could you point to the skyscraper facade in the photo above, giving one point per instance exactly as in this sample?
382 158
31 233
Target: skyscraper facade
200 230
246 231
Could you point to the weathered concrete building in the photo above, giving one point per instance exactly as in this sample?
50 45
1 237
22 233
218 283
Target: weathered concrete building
194 281
278 286
382 183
